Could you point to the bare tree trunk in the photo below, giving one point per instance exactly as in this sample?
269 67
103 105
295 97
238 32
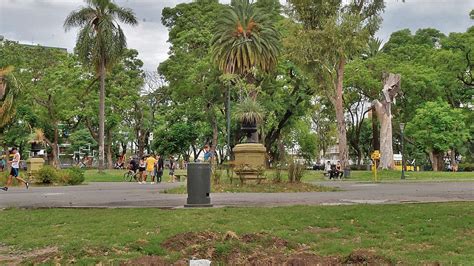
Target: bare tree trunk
55 147
375 131
341 124
436 159
110 163
101 115
214 137
7 154
384 114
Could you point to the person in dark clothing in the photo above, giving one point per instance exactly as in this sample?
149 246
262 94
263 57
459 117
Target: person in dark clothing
133 165
159 167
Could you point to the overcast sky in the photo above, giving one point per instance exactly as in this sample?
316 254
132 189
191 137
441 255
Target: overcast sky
41 22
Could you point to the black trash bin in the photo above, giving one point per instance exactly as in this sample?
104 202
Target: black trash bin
199 185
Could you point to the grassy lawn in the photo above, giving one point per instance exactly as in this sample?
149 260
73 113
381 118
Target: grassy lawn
93 175
389 175
265 186
407 234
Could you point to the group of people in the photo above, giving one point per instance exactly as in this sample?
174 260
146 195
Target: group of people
14 171
152 166
333 170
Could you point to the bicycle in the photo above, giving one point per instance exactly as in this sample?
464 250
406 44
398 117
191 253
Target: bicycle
130 175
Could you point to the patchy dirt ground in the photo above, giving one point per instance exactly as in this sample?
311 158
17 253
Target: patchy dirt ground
8 256
251 249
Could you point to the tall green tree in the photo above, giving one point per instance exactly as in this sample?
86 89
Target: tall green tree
245 38
100 42
328 34
437 127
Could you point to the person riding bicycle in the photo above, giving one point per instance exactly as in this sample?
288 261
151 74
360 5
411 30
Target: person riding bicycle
133 165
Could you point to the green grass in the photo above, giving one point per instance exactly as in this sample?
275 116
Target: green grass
265 186
408 233
389 175
93 175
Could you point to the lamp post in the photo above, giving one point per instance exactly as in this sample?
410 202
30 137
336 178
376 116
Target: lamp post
402 127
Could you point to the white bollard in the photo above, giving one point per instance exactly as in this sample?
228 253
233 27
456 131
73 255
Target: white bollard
199 263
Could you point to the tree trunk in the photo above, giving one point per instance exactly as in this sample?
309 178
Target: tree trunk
101 115
55 147
375 131
341 124
7 154
110 163
384 114
214 137
437 162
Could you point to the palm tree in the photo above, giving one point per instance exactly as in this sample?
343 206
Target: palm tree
100 43
8 91
244 38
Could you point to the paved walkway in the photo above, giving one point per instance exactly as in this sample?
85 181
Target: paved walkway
123 195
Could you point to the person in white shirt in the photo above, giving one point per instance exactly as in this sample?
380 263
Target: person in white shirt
15 170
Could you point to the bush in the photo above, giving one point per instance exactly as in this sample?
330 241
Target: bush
295 171
466 167
75 176
277 176
362 167
48 175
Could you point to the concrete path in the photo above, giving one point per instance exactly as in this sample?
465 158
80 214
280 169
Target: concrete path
126 195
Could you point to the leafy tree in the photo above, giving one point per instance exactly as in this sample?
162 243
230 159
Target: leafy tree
327 36
437 127
100 43
244 39
175 139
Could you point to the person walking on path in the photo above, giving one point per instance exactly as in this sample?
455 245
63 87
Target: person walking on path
141 171
172 168
150 168
15 170
159 166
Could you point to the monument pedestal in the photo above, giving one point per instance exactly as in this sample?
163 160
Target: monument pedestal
249 161
34 165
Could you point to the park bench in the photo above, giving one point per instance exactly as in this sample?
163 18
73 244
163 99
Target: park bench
245 172
181 173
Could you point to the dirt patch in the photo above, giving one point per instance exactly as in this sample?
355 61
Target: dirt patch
259 249
366 257
10 256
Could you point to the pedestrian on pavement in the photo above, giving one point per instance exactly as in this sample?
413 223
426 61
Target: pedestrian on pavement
141 171
159 166
15 170
172 168
150 168
207 153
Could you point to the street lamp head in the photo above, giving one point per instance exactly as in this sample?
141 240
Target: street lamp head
402 126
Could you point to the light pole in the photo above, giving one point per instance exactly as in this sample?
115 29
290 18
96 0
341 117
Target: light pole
402 127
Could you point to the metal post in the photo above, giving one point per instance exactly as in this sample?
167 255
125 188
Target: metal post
402 127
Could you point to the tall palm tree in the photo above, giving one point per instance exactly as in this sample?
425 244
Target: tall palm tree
8 91
100 43
245 38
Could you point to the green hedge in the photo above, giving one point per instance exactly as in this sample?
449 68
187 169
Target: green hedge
50 175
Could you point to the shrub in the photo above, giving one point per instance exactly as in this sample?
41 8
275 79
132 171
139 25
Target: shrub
75 176
277 176
466 167
295 171
48 175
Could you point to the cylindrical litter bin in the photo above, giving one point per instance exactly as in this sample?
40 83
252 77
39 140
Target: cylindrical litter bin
199 185
347 172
